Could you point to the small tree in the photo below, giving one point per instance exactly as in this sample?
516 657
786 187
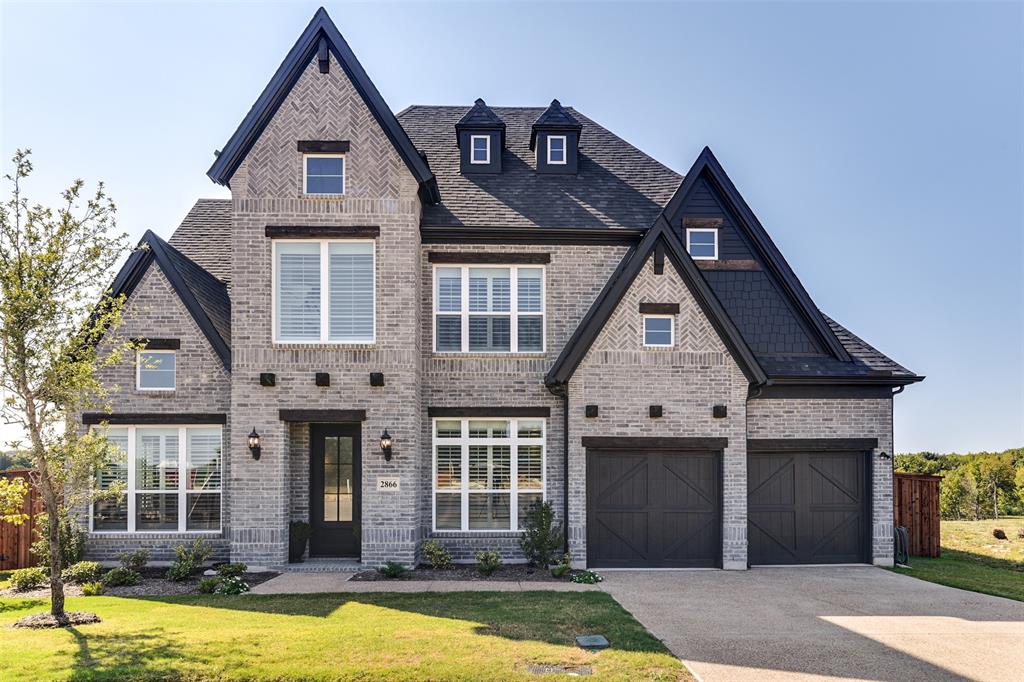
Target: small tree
54 311
957 493
542 536
996 479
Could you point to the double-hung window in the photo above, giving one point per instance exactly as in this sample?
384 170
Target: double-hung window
479 149
659 331
171 477
556 149
323 174
324 291
488 309
488 473
702 243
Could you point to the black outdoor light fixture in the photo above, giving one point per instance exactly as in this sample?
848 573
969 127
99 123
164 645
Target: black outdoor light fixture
385 445
254 444
884 455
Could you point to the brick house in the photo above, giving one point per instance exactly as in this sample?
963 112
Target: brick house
528 306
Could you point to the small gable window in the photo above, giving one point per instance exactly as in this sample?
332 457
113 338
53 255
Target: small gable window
480 150
556 149
702 243
659 331
155 370
324 173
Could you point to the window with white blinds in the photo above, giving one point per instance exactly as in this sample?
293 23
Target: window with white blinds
488 473
483 309
342 269
170 477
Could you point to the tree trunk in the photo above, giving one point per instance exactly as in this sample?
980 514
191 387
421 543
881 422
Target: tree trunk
995 502
52 505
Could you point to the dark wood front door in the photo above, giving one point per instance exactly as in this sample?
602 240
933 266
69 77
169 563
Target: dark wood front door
653 509
334 496
807 508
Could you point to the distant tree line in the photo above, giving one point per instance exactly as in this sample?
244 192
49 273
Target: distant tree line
977 485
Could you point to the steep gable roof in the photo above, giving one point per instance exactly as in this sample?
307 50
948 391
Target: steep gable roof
659 239
320 36
203 295
204 235
555 117
707 167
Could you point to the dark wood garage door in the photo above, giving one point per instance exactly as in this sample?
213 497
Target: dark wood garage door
807 507
658 509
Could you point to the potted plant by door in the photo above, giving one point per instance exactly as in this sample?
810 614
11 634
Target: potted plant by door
298 536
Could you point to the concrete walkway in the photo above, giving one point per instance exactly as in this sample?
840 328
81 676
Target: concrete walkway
308 582
832 623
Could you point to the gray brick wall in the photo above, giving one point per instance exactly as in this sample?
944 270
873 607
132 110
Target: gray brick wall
202 385
381 192
838 418
624 379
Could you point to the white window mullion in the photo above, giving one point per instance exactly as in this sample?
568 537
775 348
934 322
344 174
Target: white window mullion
182 483
513 484
130 487
513 314
325 293
464 450
465 309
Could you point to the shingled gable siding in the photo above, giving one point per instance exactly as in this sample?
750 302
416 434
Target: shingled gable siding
202 386
573 279
855 418
267 189
624 379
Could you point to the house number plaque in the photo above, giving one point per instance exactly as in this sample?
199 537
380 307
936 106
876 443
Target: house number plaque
388 483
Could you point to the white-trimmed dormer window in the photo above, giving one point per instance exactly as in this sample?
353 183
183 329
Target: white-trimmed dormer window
702 243
659 331
323 173
556 150
155 370
480 149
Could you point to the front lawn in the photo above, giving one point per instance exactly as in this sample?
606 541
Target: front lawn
973 559
418 636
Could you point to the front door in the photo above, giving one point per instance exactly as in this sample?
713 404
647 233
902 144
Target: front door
334 500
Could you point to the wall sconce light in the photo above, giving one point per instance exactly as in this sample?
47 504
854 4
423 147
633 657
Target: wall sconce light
884 455
385 445
254 444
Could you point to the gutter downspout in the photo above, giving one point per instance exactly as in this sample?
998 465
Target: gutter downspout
565 473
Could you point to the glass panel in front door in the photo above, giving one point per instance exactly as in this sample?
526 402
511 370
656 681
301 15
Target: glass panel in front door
337 478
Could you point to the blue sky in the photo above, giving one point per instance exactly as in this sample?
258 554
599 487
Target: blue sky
881 144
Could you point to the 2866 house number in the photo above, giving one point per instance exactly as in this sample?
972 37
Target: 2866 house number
388 484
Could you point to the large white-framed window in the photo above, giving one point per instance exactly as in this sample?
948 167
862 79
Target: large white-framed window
702 243
488 473
155 370
556 150
304 269
172 478
489 309
659 331
479 149
323 173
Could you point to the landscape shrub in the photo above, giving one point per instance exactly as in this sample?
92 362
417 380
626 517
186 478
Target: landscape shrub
392 570
586 577
436 555
121 577
488 562
235 570
30 578
72 540
188 559
92 589
82 572
562 566
135 560
542 536
231 585
208 585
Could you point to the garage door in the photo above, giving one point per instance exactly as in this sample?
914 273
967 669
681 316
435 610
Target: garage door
807 508
653 509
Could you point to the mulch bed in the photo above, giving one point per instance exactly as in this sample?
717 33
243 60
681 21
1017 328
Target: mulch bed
46 620
153 585
511 573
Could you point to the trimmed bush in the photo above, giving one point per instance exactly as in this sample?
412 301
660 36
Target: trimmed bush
121 577
30 578
542 537
134 561
208 585
231 570
93 589
562 567
436 555
82 572
188 559
392 570
488 562
231 585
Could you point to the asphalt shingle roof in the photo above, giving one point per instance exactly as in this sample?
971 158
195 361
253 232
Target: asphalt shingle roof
205 236
617 186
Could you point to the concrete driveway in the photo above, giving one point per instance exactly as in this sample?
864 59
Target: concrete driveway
858 623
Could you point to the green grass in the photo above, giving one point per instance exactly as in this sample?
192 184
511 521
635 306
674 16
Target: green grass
436 636
973 559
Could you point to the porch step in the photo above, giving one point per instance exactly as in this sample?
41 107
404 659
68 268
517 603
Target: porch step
322 566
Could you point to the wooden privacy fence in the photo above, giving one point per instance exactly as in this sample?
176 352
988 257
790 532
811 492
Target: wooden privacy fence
916 505
16 540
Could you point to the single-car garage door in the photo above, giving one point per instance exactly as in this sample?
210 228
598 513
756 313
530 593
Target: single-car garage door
653 509
807 507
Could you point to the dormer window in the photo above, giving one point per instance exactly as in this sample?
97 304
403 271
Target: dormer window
556 149
480 149
702 243
323 173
